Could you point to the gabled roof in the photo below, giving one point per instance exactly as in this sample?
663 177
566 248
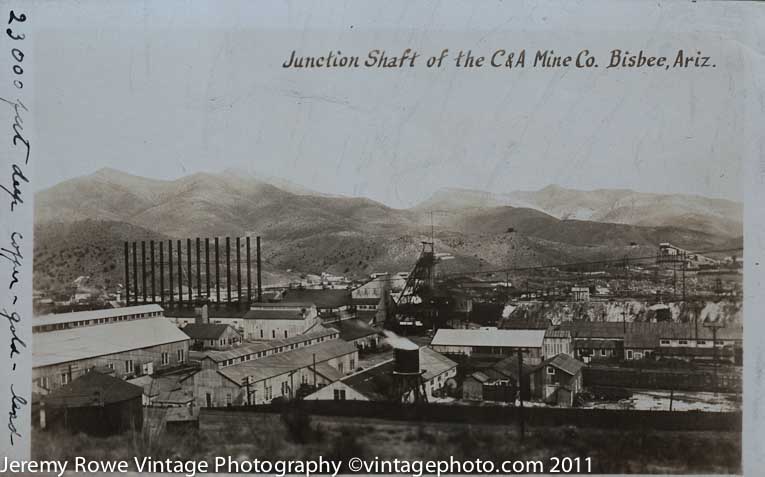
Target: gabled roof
565 363
93 389
275 314
594 329
56 318
206 331
596 344
434 363
258 346
354 329
327 298
74 344
278 364
489 337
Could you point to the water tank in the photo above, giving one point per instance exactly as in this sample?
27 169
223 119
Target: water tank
407 361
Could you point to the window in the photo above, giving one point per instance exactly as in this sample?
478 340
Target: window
285 333
702 342
273 334
629 354
353 363
602 352
44 382
110 366
129 366
165 358
339 394
64 378
683 342
261 333
550 370
228 399
665 342
340 367
180 355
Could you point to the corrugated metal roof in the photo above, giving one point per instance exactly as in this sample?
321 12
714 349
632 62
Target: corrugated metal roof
74 344
258 346
56 318
498 338
274 314
565 363
328 298
278 364
434 363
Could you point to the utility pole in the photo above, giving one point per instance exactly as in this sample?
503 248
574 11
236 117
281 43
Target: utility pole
684 264
714 326
246 382
520 392
314 371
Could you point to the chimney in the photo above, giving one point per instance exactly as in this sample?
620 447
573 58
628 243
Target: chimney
217 272
170 270
127 275
199 270
201 315
257 258
228 268
161 273
189 276
207 268
143 270
135 275
249 274
153 281
238 270
180 273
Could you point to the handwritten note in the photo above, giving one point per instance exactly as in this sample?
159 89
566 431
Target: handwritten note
15 234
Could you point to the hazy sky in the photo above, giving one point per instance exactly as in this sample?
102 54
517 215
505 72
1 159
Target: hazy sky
163 89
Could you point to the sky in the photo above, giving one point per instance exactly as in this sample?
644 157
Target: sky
165 89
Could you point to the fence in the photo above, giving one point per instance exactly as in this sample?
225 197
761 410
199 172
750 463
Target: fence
534 416
595 376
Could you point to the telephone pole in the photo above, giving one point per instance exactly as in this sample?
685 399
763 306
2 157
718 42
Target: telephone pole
520 393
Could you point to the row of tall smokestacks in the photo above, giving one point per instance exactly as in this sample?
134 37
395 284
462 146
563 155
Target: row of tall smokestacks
159 273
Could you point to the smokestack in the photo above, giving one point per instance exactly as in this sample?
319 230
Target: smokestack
257 258
170 270
217 272
153 285
238 269
127 274
189 276
249 272
143 270
161 273
135 275
180 273
199 271
207 267
228 268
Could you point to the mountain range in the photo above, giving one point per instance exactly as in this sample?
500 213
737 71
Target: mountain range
80 224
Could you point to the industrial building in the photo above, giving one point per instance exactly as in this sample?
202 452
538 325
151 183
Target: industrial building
215 359
78 319
126 348
378 383
331 305
278 375
94 403
561 378
490 341
212 335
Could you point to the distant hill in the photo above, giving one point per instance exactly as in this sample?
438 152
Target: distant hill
620 206
81 224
